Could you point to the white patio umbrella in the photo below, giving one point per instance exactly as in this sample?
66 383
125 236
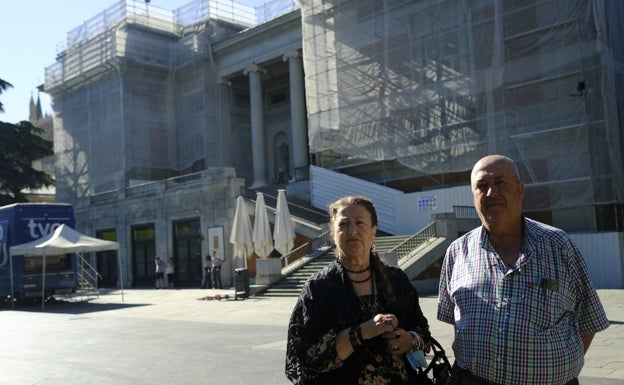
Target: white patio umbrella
284 231
241 232
261 236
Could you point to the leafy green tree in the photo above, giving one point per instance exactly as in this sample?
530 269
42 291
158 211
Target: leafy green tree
20 145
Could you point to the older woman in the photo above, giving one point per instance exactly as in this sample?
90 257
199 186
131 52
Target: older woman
356 318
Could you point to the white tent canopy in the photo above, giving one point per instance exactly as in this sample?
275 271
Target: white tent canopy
64 240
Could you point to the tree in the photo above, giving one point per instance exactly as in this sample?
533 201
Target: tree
4 85
20 145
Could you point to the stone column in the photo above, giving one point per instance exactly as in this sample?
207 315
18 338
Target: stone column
258 142
225 124
298 136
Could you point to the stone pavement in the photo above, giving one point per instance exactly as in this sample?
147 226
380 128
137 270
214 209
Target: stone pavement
186 336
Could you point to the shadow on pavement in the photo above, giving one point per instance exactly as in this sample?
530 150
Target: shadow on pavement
62 306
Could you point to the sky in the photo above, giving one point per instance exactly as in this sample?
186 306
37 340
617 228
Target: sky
31 32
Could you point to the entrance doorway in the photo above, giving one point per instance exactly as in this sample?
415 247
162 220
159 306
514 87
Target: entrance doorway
187 241
143 254
107 264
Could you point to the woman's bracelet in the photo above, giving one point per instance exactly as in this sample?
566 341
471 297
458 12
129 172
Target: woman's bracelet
355 336
417 342
358 330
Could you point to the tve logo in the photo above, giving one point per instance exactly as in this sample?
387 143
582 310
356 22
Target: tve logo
39 229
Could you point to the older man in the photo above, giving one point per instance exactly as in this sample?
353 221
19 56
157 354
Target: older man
517 291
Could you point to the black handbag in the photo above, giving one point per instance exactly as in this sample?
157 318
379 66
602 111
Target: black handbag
439 370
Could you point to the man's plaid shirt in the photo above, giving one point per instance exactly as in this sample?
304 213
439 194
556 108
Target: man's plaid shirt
521 325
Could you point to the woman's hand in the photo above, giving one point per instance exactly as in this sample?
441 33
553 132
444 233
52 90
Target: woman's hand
381 324
399 341
378 325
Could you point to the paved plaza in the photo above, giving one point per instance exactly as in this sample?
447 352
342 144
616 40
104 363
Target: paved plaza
180 337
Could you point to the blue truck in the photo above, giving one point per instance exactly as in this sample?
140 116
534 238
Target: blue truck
26 222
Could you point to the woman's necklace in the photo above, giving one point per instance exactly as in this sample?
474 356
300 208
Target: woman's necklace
368 303
361 280
356 271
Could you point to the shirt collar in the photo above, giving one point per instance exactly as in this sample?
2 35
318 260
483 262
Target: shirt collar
528 238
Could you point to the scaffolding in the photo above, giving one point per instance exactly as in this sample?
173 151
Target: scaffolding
435 85
101 38
140 81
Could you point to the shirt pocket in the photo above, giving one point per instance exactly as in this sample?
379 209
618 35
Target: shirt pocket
544 306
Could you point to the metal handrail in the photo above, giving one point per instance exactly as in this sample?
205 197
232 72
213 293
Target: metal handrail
465 212
406 247
317 243
90 274
313 215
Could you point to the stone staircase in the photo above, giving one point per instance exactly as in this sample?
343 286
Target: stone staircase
291 285
384 244
419 255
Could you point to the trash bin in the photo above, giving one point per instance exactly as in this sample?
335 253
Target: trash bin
241 283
